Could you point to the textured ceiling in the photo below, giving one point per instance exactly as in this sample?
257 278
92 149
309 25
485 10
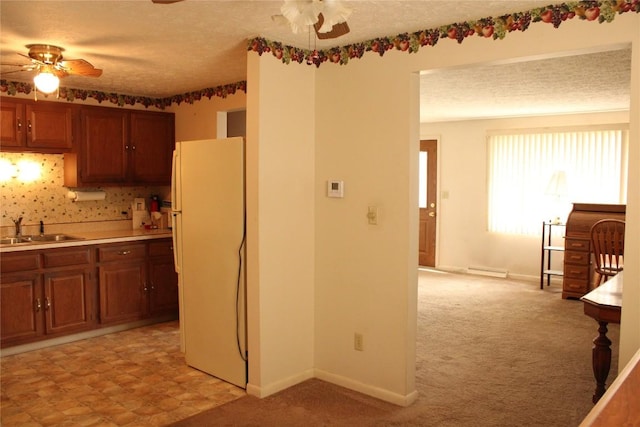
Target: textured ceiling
161 50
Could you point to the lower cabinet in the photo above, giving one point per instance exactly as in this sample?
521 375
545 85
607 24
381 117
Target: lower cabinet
163 279
21 305
122 271
54 292
137 281
68 301
53 297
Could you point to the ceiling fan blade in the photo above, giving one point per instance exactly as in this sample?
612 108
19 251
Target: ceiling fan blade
79 67
339 29
33 61
14 71
18 65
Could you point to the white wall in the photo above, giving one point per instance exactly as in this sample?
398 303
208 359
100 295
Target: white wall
365 276
280 224
630 327
200 119
463 239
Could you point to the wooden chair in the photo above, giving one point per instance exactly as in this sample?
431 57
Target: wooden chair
607 245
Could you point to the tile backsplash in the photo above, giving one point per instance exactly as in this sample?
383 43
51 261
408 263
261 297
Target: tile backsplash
45 199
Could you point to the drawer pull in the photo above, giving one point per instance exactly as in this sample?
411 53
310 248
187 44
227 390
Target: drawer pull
575 257
127 252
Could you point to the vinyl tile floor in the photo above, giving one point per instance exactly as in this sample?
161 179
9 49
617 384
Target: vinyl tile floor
132 378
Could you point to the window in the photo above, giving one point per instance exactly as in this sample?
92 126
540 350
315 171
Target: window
521 166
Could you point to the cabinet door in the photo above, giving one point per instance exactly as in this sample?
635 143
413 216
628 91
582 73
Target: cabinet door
163 286
21 308
122 291
12 124
68 300
152 142
49 127
102 147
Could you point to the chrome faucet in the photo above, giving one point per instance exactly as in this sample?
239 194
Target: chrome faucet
18 223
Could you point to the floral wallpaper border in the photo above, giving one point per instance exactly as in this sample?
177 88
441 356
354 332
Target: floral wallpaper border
494 28
12 88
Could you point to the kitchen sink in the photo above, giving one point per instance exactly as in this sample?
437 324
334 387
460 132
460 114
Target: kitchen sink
53 238
41 238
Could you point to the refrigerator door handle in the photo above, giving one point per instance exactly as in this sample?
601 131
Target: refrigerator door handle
177 248
176 204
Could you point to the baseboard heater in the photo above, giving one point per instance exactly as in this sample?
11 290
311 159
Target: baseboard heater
486 271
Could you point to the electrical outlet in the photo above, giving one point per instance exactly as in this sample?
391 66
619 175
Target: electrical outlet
358 342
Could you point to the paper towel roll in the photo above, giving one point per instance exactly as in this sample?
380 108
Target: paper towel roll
83 196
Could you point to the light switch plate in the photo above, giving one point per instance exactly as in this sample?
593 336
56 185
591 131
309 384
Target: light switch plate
335 188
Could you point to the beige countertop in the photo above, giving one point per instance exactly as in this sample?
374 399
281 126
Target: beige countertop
92 238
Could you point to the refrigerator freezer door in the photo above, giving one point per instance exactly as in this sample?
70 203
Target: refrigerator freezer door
211 233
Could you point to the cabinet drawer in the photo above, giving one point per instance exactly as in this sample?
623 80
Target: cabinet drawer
576 271
65 257
122 252
161 248
577 244
573 285
577 257
23 261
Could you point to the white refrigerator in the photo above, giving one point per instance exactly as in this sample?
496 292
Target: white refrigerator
208 222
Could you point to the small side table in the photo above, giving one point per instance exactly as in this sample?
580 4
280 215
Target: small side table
547 249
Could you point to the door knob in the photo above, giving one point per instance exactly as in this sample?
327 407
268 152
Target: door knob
432 214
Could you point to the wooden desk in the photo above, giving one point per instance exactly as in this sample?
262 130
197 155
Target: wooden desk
604 304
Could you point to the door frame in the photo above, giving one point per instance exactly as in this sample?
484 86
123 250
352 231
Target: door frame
437 197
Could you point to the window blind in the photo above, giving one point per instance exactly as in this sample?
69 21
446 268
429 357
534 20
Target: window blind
521 164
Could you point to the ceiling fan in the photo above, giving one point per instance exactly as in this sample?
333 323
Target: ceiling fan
328 17
48 62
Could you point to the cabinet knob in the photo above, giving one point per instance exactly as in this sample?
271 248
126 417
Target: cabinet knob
38 304
29 125
47 304
124 252
19 124
133 147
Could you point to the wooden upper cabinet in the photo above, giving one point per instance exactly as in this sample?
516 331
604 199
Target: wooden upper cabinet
121 147
100 157
11 124
36 126
152 143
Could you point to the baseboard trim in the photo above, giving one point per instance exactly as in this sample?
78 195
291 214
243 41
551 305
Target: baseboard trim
379 393
268 390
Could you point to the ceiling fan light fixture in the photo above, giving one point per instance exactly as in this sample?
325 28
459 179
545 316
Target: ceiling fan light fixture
301 13
46 81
